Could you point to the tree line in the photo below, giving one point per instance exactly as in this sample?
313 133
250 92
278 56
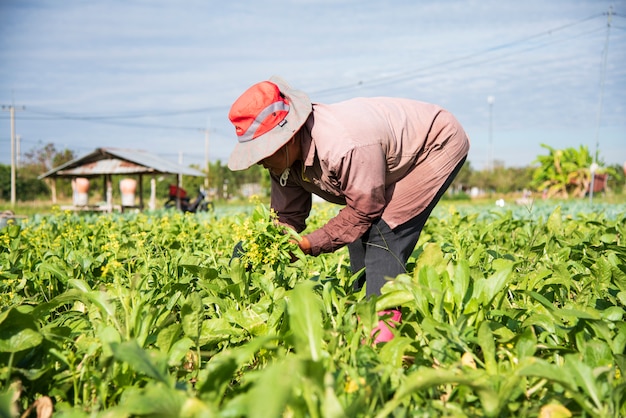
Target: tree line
560 173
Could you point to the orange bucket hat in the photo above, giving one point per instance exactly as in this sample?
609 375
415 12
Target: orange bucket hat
266 117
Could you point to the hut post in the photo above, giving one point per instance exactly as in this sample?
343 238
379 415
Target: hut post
109 192
104 187
141 191
53 190
152 203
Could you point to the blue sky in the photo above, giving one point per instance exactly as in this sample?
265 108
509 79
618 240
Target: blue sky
156 74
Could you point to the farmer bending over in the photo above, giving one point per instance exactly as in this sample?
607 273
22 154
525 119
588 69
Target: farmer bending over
387 160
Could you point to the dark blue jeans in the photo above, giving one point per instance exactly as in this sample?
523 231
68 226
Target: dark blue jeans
384 251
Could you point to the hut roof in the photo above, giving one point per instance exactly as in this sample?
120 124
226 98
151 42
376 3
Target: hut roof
104 161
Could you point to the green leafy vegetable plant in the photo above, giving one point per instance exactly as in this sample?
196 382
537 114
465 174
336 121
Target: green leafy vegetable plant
505 313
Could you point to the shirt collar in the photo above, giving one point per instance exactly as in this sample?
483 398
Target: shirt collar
306 141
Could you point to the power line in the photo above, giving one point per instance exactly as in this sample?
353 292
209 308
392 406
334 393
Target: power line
378 81
405 75
111 121
477 59
143 115
48 115
605 54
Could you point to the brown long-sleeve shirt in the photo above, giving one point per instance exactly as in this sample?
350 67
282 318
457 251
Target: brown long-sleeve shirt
380 157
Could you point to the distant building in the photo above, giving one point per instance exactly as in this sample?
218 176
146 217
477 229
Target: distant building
252 189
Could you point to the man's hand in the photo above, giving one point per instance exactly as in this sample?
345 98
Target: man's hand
305 245
238 253
302 242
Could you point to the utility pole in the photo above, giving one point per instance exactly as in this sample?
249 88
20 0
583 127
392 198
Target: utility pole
11 110
594 164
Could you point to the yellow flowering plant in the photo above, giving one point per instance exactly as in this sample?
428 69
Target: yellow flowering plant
504 314
263 241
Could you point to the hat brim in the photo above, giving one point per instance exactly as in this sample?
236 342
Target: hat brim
249 153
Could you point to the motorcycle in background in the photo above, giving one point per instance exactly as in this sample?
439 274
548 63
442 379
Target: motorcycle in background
199 204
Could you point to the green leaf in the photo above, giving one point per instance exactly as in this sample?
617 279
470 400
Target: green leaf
541 299
271 392
583 375
216 377
620 360
248 319
178 351
543 321
577 313
53 269
432 256
215 330
597 353
108 335
305 319
79 284
613 314
190 314
618 345
488 347
155 400
18 331
194 408
393 351
393 299
139 360
101 300
537 367
555 222
424 378
167 336
7 409
460 281
526 343
496 282
331 406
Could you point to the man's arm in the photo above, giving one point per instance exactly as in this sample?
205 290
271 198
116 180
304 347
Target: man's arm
361 174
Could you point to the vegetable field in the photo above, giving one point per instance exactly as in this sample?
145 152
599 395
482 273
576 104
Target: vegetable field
505 313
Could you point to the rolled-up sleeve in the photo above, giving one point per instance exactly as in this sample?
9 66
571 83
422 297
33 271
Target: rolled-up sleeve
361 177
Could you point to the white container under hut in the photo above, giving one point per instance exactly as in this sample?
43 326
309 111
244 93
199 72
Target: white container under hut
80 188
128 187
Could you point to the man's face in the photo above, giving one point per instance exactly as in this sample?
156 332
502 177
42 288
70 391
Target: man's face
279 161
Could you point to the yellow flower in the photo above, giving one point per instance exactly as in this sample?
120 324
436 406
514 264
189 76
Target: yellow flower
351 386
